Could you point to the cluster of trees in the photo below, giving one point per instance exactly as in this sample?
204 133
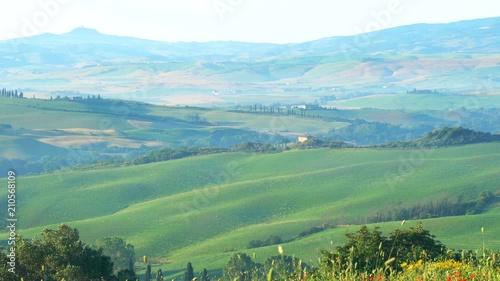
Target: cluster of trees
253 147
89 98
424 210
366 133
241 267
271 240
11 93
120 253
197 119
367 250
266 109
148 276
422 91
299 112
456 136
61 255
447 136
313 230
189 274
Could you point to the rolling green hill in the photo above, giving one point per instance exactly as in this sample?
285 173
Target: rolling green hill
67 133
127 117
204 208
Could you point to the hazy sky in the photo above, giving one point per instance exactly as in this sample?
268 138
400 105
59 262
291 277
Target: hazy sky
277 21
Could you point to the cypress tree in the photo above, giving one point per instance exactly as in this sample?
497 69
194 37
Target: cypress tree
205 275
189 274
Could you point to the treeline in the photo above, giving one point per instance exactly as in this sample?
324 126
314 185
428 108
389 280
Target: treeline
422 91
434 209
253 147
448 136
318 143
12 93
166 154
78 98
303 111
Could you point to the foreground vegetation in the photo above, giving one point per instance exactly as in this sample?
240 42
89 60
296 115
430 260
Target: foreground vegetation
59 255
410 253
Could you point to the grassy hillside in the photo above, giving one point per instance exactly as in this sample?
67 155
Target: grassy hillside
203 208
125 117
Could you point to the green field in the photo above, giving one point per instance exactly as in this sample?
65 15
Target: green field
202 209
419 102
23 148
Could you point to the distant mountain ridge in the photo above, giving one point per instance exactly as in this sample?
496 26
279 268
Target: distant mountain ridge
464 36
460 57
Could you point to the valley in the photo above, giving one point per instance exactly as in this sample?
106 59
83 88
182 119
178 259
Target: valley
199 152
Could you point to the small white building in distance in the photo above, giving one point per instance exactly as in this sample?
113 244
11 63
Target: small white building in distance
303 139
